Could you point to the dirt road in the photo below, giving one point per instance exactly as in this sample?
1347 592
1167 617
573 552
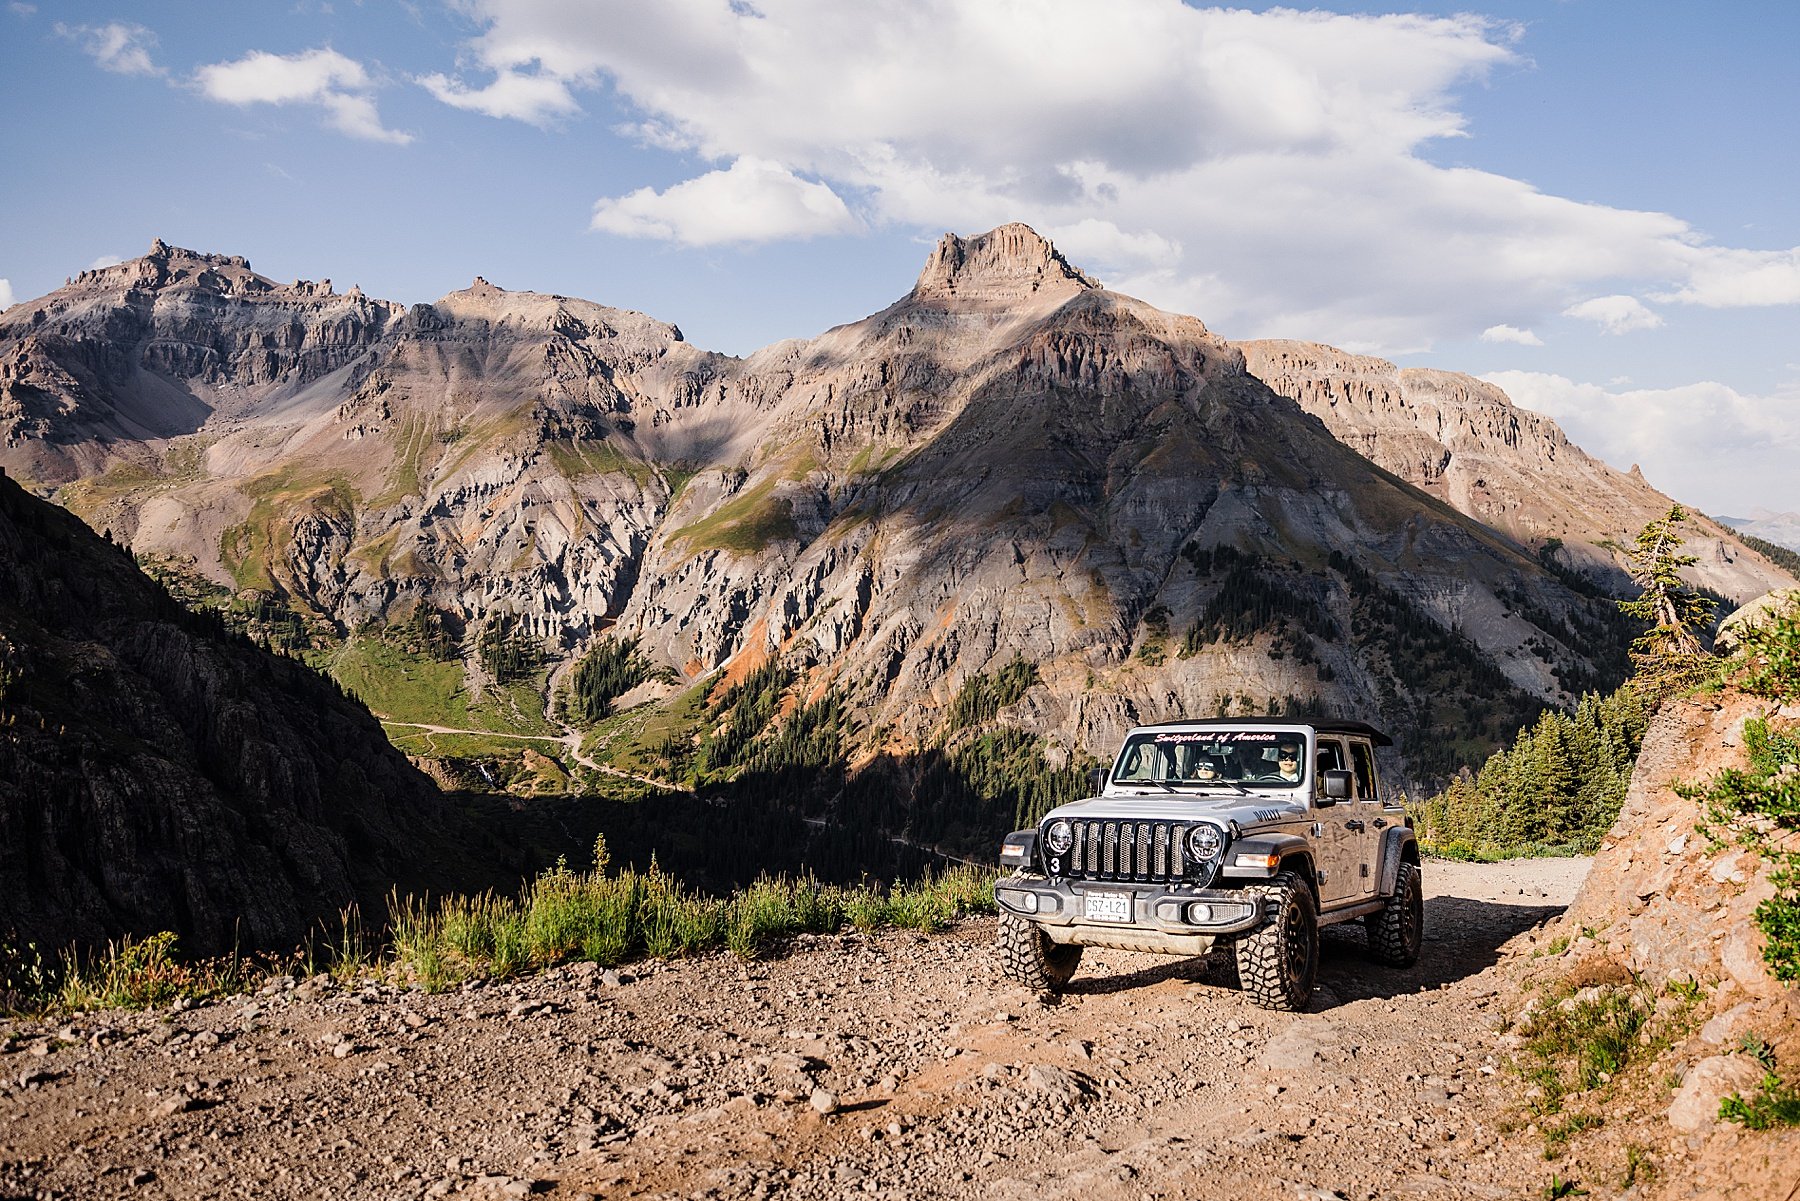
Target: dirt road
895 1065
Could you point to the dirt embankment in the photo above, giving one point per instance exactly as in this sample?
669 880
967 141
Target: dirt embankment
894 1065
1672 910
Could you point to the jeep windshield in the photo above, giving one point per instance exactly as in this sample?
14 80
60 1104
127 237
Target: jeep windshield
1221 758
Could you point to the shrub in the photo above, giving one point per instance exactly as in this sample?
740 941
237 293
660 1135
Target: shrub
1770 652
1759 808
131 974
1578 1041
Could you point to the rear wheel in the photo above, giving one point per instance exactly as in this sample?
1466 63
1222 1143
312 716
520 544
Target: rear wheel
1279 960
1397 932
1028 957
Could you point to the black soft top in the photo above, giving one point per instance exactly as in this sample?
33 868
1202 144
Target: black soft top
1323 726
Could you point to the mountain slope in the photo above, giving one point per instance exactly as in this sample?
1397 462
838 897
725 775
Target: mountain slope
1008 461
1462 440
159 774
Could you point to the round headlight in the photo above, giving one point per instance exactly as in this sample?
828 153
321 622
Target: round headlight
1060 837
1205 842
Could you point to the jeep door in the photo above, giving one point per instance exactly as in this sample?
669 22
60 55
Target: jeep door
1370 819
1339 847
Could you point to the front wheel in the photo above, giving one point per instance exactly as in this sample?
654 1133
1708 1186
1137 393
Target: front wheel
1029 957
1279 960
1395 934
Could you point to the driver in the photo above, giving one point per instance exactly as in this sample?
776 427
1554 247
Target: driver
1287 764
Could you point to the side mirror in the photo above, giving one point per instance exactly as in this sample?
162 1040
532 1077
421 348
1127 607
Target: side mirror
1097 780
1335 787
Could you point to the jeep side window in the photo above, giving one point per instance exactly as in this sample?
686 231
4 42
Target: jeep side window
1328 757
1364 762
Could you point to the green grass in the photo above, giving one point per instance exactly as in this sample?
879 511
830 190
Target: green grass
134 973
611 918
411 442
630 741
601 916
1776 1103
596 457
1577 1044
182 463
432 745
375 553
1463 851
404 686
746 524
247 549
1580 1041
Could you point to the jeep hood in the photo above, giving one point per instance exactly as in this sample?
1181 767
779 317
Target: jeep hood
1254 810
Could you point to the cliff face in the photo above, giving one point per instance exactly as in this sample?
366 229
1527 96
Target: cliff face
1008 460
157 774
1464 442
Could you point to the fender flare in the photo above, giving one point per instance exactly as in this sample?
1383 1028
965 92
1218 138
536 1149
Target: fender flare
1394 846
1287 846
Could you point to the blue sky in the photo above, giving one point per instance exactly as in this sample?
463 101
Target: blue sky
1591 203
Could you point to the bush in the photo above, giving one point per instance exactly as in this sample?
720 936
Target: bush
1770 652
131 974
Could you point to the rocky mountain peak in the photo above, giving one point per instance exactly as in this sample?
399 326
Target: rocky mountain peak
1011 263
164 266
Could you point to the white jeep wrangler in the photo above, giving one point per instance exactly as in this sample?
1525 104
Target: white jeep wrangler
1249 833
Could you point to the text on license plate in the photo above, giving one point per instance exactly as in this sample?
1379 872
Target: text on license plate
1106 906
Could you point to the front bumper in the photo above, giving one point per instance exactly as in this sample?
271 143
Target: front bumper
1179 916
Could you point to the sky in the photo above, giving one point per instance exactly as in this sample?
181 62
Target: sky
1590 203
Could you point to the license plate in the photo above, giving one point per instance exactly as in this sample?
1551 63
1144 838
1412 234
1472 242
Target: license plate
1106 906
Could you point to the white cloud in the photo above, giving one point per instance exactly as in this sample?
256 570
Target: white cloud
1102 245
534 99
1170 147
322 78
22 10
119 46
1615 314
6 294
105 260
1507 333
754 200
1703 443
1721 278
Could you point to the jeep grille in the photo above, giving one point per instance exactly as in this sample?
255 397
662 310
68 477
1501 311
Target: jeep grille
1145 852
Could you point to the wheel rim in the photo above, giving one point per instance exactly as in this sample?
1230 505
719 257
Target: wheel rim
1299 949
1414 925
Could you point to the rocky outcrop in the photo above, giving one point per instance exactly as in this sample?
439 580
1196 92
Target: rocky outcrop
1463 441
158 774
1665 901
1668 911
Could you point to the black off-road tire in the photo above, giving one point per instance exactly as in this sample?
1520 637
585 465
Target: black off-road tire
1278 961
1398 931
1221 965
1028 957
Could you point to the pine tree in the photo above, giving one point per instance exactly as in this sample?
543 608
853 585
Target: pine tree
1668 657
